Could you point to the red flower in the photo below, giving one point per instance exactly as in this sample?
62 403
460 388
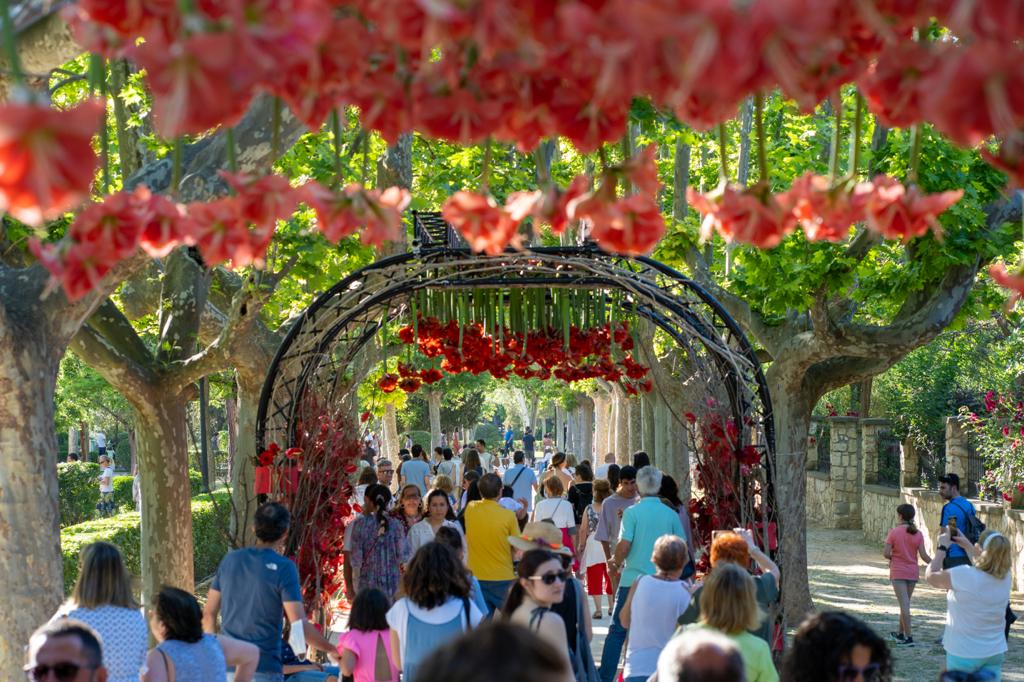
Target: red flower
632 226
78 268
898 212
410 384
46 158
267 458
292 453
431 376
388 383
642 171
826 212
364 417
752 216
1012 281
263 200
163 224
487 227
340 214
112 225
553 207
198 82
221 233
892 85
406 334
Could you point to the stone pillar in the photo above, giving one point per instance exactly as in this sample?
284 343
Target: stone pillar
869 430
846 470
910 468
813 434
956 450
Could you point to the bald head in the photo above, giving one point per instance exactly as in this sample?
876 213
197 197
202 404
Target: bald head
701 656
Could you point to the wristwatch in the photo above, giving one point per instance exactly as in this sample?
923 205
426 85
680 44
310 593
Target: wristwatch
944 548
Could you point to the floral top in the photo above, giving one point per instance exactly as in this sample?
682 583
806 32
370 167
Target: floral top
399 515
379 553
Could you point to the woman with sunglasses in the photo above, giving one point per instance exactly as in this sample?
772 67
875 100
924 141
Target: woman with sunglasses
540 585
835 647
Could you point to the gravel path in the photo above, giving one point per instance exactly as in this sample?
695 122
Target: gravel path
849 575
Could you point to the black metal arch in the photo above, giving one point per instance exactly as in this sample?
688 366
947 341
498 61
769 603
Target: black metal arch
324 341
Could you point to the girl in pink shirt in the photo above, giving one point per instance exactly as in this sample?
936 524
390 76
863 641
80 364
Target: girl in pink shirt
903 545
366 648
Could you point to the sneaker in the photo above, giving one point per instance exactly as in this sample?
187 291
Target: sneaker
907 642
897 636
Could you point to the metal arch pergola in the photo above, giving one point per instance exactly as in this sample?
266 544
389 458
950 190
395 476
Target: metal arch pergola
323 343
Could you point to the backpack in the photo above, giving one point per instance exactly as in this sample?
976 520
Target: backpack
974 527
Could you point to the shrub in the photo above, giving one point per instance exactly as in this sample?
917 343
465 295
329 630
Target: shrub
494 436
209 523
78 491
195 481
418 437
123 493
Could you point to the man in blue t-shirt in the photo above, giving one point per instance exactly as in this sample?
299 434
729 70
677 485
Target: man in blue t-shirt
255 587
959 508
521 479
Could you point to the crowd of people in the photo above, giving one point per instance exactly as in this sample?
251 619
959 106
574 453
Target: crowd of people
489 581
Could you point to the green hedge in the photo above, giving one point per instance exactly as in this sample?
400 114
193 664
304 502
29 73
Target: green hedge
208 527
195 481
494 436
78 491
123 493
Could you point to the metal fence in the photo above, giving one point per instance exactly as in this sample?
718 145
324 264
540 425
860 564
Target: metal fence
824 437
975 470
932 462
888 459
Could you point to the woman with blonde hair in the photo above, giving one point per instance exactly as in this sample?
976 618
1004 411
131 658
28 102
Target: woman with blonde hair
976 601
443 482
729 605
103 599
557 510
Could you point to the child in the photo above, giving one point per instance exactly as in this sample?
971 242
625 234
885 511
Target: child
452 538
902 547
366 648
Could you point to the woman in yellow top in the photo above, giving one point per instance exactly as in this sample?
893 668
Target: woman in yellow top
728 605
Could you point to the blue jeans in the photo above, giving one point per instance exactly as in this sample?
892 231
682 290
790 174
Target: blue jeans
260 677
992 664
494 593
612 650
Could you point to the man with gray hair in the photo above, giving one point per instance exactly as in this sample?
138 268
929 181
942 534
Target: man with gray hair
701 656
642 525
69 649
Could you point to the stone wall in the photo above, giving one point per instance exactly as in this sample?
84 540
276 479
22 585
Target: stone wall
820 499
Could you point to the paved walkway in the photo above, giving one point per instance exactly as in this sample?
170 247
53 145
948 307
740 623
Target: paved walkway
848 575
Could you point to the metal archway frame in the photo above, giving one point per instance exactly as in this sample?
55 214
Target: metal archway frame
323 343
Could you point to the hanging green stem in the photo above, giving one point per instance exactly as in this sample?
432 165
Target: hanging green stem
97 73
723 159
916 133
762 152
176 161
336 131
858 122
232 150
366 158
11 43
837 127
485 169
275 135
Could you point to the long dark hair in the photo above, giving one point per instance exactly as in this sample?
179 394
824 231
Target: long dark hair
670 492
825 640
369 611
907 513
450 515
380 496
528 565
613 476
435 575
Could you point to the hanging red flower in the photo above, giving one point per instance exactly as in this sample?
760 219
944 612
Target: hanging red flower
46 158
899 212
293 453
388 383
221 233
431 376
1013 281
487 227
751 216
826 212
364 417
263 200
410 384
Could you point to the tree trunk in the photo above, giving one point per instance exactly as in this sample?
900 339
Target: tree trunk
243 472
602 427
636 425
560 420
29 522
166 507
586 430
231 419
792 404
389 434
620 412
434 407
647 407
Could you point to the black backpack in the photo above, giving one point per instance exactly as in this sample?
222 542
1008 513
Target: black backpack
974 527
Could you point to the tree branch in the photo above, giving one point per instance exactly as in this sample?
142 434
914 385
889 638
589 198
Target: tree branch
182 299
109 322
131 379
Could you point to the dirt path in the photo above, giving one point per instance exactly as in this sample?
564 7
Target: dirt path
849 575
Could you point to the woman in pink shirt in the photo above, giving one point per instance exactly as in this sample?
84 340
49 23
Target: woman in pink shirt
903 545
366 648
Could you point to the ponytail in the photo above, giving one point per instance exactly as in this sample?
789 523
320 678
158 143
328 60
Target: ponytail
907 513
380 495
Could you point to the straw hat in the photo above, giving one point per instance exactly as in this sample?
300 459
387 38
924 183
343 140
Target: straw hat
540 535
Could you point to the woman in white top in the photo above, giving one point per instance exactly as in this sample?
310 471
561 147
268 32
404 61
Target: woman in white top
103 600
976 601
438 513
557 510
652 607
560 468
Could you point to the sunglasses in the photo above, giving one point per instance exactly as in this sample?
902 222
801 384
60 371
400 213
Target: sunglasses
849 673
65 672
550 578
